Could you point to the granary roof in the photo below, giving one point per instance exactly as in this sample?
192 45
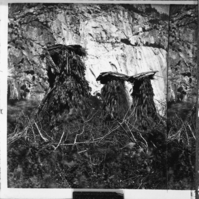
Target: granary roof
140 76
104 77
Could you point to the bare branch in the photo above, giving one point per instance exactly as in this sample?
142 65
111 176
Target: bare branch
60 140
45 139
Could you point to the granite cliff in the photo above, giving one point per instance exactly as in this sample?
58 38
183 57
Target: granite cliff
182 71
128 39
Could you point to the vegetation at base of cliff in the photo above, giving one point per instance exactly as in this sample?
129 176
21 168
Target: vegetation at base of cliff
92 151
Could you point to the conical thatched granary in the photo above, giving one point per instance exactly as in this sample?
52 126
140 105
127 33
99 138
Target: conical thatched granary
114 94
68 87
143 105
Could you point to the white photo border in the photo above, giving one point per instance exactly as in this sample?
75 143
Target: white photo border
6 192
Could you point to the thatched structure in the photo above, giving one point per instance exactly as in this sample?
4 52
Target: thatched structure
68 87
143 105
114 94
106 77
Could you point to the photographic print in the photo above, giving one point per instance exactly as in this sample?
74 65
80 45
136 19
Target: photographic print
182 96
87 90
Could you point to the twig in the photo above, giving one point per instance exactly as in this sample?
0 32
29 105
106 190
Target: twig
45 139
144 140
44 100
91 117
30 126
109 132
183 126
75 141
191 131
33 133
124 121
82 151
138 130
15 136
176 135
131 132
186 134
126 132
60 140
126 113
86 142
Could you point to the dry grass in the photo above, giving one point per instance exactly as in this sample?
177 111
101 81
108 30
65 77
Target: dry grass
91 151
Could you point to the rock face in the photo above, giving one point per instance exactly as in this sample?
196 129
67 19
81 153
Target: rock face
128 39
182 71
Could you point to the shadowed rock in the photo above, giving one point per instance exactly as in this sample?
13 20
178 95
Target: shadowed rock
77 49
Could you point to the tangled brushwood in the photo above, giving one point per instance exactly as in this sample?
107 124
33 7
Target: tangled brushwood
76 140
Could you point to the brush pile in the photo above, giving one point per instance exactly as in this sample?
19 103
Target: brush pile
75 140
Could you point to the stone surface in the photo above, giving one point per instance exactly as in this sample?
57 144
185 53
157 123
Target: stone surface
128 39
182 71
